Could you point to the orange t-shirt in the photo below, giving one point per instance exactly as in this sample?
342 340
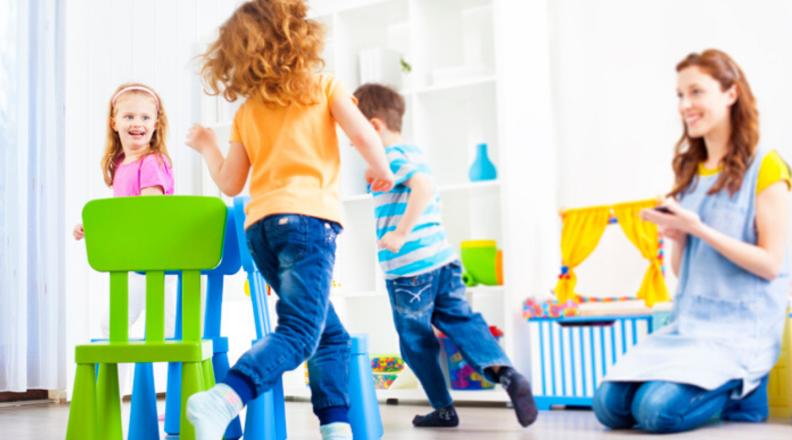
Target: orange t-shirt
294 156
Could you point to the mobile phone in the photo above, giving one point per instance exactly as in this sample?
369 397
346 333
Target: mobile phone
663 209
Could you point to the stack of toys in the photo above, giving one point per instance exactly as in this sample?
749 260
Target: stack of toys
386 369
462 375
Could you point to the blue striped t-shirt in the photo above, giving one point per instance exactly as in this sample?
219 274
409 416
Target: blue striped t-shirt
427 247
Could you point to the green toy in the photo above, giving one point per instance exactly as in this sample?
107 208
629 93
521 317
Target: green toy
482 263
151 234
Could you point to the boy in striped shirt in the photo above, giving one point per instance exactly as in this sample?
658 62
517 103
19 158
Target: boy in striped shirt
424 276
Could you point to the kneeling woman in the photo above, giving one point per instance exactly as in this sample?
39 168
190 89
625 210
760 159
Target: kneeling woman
729 233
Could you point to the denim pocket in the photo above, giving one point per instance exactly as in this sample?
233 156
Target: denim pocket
456 285
331 231
412 295
287 236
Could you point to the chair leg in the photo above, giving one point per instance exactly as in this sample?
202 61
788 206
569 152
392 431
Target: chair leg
279 404
364 414
82 414
260 422
143 424
192 382
208 374
108 404
173 398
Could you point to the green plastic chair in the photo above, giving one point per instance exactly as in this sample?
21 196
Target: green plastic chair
154 235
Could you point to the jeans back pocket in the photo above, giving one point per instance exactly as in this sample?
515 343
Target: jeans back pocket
412 295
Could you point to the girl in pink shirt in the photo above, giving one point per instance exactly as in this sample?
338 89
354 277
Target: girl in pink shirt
135 163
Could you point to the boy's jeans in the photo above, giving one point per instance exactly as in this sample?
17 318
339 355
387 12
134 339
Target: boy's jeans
438 298
296 253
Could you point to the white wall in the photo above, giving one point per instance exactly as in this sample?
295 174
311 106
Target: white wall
615 100
109 43
613 107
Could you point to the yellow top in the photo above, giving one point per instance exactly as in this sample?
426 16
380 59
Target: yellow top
773 169
294 156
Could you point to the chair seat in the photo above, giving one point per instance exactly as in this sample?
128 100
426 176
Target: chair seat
141 351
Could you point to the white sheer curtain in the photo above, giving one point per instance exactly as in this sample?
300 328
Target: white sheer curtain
32 321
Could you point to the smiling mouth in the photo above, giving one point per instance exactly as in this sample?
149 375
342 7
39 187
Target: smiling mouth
137 134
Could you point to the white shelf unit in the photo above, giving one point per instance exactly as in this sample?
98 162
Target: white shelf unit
446 119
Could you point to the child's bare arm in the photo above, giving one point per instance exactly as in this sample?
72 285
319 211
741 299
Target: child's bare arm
229 173
421 193
152 191
365 140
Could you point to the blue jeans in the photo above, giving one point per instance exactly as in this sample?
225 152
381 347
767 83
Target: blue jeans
660 407
295 254
438 298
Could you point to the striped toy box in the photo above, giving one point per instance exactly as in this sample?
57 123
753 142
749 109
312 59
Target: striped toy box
570 356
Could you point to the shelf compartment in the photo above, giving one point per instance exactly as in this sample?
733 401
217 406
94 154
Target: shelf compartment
383 24
452 34
450 123
357 249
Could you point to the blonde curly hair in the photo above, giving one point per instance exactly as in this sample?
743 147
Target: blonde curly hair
268 51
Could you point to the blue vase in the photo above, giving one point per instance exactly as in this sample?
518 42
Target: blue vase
482 168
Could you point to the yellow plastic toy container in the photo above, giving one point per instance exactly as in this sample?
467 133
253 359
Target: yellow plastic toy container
779 387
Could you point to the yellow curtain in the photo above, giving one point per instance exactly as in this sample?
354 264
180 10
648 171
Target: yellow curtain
581 233
644 236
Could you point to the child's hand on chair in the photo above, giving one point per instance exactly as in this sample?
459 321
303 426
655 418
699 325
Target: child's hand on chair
78 232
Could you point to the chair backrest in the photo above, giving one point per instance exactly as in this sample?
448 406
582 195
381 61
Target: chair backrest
154 234
231 262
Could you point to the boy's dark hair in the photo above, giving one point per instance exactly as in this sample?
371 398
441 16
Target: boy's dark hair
382 102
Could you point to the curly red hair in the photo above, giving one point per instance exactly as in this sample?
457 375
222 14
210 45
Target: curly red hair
268 51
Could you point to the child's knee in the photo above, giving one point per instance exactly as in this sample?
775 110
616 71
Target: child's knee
654 413
609 407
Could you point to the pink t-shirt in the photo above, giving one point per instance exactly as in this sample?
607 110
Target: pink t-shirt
152 170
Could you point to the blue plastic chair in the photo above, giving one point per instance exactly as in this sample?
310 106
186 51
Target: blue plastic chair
143 423
364 412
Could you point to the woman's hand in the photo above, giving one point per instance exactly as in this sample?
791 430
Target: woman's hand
672 234
78 232
200 137
675 225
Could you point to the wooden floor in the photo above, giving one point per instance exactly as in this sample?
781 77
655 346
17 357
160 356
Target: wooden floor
48 422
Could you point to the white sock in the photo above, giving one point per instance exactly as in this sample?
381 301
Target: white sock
211 411
336 431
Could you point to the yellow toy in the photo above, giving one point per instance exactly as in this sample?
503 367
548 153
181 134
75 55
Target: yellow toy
780 384
582 231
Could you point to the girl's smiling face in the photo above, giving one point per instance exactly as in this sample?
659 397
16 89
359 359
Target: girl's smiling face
702 103
135 121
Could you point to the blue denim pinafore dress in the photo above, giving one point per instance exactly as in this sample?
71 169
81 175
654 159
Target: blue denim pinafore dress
726 322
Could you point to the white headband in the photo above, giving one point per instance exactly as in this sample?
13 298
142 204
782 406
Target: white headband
136 88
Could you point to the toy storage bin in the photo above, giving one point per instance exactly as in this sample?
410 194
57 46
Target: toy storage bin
570 356
462 375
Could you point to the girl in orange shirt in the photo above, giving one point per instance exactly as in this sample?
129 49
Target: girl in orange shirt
284 135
